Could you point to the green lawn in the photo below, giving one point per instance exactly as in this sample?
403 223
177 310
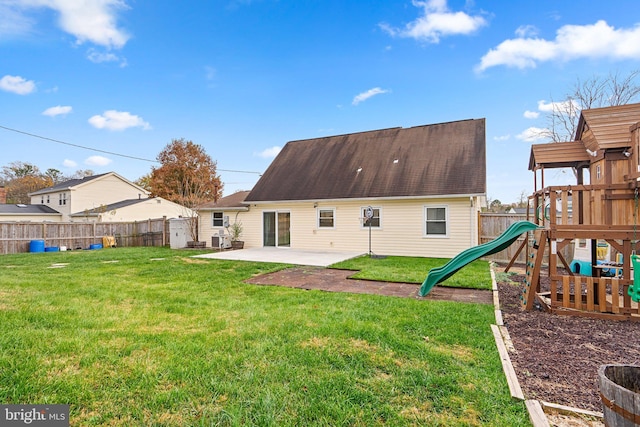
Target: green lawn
475 275
149 336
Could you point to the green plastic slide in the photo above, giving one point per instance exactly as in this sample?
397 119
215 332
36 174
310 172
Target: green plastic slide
510 235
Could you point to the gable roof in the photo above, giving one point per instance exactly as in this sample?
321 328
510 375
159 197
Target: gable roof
231 202
558 155
431 160
118 205
74 183
609 125
14 209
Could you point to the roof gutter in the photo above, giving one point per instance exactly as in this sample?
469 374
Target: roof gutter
366 199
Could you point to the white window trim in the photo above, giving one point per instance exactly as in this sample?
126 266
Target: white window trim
446 220
213 220
373 227
318 218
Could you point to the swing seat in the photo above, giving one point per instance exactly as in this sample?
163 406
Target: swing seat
634 290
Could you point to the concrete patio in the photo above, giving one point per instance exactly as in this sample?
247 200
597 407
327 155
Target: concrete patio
283 255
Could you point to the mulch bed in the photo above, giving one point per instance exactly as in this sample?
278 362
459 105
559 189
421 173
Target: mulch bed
556 357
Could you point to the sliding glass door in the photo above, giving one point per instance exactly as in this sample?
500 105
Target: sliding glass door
276 228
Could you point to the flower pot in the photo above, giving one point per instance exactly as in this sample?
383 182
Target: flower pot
237 244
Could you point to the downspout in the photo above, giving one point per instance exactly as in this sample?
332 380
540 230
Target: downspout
472 223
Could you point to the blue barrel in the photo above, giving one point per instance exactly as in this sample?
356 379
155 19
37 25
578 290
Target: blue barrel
36 246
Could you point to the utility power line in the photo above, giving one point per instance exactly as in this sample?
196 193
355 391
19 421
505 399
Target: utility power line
106 152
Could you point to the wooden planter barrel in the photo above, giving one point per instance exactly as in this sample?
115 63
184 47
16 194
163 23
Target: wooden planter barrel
620 394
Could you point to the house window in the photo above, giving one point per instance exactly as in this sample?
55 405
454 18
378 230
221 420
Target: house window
63 199
374 221
42 200
598 172
218 219
326 218
48 201
435 221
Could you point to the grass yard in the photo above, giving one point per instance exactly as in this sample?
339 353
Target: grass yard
475 275
150 336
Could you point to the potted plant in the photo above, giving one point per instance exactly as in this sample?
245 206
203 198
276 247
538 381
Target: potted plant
235 230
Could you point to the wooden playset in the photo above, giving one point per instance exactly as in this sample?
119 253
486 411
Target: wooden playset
599 220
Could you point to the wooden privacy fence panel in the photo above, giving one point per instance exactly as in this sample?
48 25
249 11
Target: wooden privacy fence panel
492 225
16 237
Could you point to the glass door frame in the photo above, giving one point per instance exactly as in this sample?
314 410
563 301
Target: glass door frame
276 237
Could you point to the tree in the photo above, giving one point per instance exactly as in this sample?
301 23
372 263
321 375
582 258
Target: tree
595 92
20 179
187 176
144 181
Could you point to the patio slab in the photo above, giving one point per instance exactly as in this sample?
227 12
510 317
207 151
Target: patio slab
284 256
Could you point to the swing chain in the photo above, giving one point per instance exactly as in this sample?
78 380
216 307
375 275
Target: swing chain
635 221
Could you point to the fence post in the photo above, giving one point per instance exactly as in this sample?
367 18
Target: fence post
164 230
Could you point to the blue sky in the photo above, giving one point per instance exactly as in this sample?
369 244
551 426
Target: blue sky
243 77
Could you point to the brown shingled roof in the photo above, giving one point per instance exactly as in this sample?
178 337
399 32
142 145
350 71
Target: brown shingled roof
230 202
432 160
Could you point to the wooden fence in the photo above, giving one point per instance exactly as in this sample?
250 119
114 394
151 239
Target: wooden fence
16 237
492 225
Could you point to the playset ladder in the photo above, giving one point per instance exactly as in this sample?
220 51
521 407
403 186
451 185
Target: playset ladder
534 263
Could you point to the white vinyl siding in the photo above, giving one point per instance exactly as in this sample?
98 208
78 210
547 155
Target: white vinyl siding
403 233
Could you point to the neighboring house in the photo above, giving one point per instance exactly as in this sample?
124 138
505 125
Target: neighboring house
92 192
135 210
422 188
31 213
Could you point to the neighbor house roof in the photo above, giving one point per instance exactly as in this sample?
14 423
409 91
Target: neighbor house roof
73 183
231 202
432 160
118 205
13 209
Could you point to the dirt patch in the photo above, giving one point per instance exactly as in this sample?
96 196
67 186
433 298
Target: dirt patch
332 280
557 357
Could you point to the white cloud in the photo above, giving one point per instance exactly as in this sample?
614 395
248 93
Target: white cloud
99 57
531 114
437 21
118 120
599 40
502 137
526 31
368 94
17 84
269 153
568 106
69 163
92 21
533 134
58 110
97 161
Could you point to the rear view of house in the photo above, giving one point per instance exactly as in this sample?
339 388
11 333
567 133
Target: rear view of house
414 191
